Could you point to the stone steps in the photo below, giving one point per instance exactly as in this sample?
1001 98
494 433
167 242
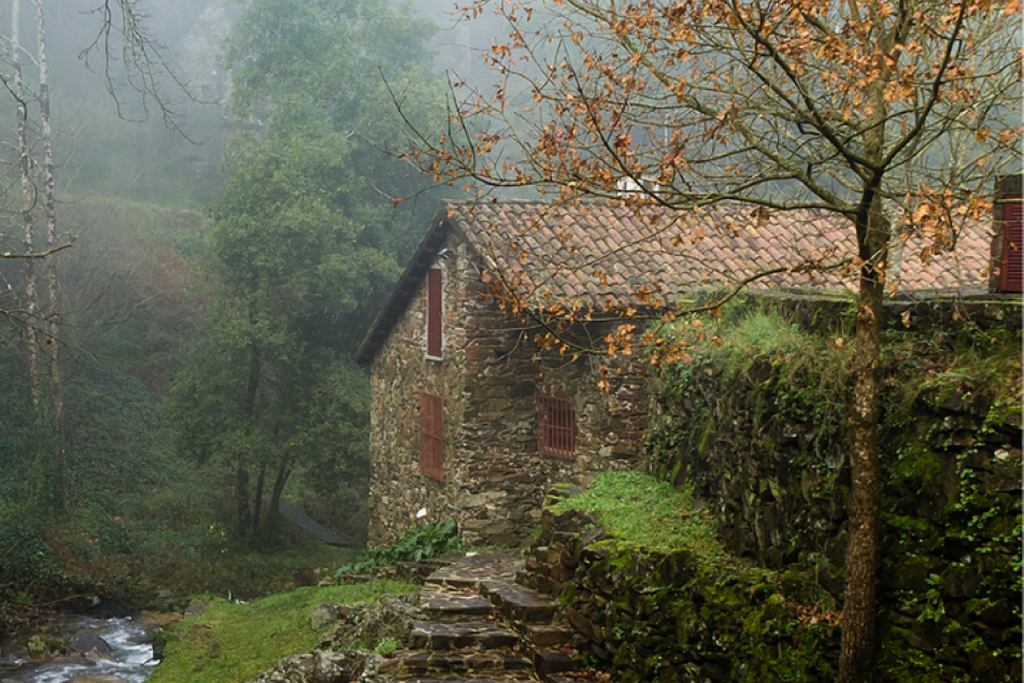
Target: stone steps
516 603
547 663
463 639
444 604
429 662
461 635
545 636
474 568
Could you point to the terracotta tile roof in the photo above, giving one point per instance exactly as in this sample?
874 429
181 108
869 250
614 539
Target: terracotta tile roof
592 251
597 254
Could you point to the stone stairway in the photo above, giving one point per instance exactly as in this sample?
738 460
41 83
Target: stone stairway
483 628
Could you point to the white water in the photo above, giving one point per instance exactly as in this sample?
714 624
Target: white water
132 652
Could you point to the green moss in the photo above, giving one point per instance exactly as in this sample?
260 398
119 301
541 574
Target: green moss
43 646
644 513
916 461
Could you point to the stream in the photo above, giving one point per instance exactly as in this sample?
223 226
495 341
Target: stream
131 654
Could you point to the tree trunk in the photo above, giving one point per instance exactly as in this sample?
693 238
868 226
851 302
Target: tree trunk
857 657
242 500
245 523
52 307
284 471
257 505
859 614
27 204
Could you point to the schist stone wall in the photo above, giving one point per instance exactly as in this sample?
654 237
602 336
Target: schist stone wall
489 377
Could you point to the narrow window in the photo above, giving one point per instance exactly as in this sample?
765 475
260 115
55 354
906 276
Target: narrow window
556 427
431 436
435 313
1013 246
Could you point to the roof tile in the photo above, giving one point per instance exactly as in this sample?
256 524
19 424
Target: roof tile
713 246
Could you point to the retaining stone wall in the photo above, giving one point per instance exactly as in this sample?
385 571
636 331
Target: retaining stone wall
663 617
949 584
666 618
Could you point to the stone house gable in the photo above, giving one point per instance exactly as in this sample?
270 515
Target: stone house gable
493 388
491 380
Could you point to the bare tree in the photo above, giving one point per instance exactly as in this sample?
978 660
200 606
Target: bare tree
893 117
133 60
17 90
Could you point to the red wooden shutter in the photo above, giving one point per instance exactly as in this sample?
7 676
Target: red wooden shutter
1013 244
434 313
556 427
432 436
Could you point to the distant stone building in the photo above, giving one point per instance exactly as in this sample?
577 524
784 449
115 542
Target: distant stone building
469 421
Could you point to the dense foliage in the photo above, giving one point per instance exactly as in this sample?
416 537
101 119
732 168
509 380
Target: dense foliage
303 247
423 542
207 358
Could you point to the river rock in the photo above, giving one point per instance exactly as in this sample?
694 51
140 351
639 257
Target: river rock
85 641
161 619
69 660
95 655
97 679
312 667
322 615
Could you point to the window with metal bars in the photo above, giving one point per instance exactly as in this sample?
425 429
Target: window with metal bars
432 436
556 427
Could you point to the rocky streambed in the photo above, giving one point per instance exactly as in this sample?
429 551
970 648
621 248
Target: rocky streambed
95 650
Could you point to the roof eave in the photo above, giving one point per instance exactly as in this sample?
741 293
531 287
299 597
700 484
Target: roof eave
404 289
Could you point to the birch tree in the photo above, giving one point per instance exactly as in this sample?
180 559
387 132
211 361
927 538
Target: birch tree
893 116
127 49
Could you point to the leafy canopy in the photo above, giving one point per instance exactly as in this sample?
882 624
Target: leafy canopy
305 241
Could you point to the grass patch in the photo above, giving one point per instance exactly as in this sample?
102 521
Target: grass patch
735 343
236 642
643 512
957 356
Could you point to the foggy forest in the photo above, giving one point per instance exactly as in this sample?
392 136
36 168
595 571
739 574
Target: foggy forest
226 191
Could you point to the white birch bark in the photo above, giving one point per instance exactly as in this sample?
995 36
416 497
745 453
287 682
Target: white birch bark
27 204
53 307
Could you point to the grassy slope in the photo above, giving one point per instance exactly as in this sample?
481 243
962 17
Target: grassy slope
628 502
230 643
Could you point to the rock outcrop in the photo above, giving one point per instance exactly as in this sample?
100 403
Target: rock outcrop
312 667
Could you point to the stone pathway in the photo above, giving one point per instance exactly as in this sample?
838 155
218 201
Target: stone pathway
483 628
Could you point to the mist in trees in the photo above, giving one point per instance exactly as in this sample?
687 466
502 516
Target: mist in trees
304 244
227 222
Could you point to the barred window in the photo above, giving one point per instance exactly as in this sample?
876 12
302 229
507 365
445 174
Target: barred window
556 427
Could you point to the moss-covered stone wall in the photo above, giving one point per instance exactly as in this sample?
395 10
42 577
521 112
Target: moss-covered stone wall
676 618
765 447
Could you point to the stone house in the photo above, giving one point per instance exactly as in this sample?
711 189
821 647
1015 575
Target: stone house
470 421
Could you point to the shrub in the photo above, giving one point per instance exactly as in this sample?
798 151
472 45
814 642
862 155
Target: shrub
428 540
